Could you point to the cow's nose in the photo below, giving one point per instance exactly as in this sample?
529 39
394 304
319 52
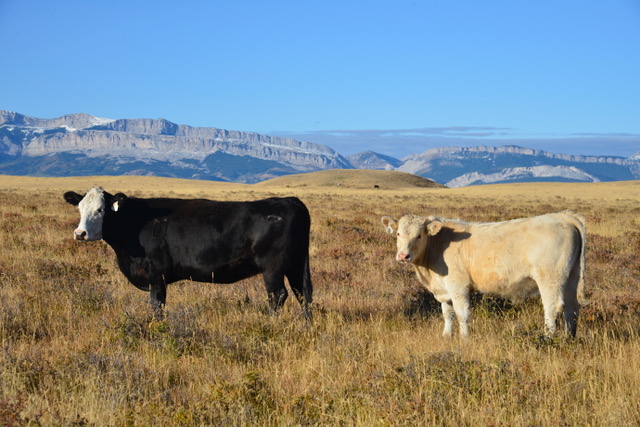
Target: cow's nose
403 256
80 234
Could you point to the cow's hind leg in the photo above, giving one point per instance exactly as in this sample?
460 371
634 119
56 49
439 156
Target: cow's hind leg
552 304
570 314
277 293
301 290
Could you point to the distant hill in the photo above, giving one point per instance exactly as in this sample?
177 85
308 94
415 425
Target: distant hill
354 178
83 145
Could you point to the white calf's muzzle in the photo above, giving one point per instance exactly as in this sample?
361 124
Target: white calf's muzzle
404 257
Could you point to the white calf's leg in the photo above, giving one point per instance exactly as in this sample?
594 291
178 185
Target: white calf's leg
552 304
449 317
461 305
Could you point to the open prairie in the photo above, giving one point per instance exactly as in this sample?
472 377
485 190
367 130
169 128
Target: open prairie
80 346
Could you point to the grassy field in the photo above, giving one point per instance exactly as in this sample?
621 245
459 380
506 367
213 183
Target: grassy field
79 346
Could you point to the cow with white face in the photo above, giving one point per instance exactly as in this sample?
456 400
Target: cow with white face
515 259
158 241
91 207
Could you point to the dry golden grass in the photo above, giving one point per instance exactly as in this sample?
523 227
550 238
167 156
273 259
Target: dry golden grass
79 346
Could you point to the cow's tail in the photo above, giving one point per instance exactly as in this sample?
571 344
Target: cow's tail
307 285
307 288
578 222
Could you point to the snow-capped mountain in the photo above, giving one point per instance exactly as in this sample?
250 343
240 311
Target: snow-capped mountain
81 144
461 166
372 160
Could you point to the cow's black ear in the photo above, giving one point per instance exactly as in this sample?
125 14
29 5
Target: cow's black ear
118 201
72 198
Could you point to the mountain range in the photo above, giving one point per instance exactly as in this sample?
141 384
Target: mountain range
81 144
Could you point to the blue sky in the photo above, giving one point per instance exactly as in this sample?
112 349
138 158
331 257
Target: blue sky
395 77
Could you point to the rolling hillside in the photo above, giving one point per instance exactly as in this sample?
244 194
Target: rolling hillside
353 178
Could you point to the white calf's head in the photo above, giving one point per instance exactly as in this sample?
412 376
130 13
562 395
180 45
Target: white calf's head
92 210
412 235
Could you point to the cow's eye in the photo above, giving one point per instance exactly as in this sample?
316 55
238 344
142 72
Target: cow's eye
100 210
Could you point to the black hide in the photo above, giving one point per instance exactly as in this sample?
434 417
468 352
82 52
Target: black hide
159 241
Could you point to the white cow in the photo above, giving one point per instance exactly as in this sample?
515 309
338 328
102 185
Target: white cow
515 259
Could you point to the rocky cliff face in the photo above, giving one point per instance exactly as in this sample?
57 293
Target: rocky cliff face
480 151
157 140
461 166
70 121
520 174
371 160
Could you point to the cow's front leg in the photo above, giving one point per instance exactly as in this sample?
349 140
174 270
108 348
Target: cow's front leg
449 317
461 305
274 283
158 297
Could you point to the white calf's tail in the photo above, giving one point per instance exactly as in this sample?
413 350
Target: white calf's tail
578 222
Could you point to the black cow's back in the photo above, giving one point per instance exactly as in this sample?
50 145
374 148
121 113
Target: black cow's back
162 240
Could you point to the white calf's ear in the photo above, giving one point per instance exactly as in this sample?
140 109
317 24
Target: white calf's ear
434 227
390 224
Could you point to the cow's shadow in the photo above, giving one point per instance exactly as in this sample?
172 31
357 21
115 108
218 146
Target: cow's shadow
439 244
418 302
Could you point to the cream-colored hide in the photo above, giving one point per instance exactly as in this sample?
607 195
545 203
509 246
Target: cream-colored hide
515 259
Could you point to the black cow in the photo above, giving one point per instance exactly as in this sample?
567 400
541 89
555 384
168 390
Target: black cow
159 241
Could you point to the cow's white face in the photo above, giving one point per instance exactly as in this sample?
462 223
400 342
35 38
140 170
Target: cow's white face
412 233
92 208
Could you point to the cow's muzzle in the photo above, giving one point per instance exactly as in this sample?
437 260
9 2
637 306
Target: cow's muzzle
80 235
404 257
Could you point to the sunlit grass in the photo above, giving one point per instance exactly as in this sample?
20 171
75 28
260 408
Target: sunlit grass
80 346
